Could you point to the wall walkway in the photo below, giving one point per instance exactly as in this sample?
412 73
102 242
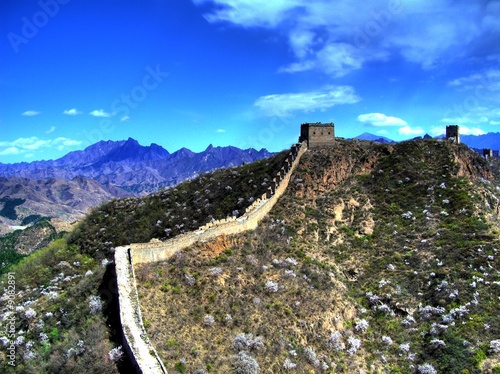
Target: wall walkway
136 342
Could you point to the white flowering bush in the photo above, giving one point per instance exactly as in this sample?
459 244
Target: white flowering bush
437 343
289 365
245 364
215 271
247 342
190 280
311 357
208 320
426 369
95 304
387 340
271 286
116 354
354 345
43 337
30 313
407 215
495 346
361 325
334 341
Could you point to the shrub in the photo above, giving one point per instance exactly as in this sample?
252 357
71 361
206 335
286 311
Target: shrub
426 369
245 364
247 342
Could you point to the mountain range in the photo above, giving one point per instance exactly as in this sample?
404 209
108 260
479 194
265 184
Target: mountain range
132 167
67 187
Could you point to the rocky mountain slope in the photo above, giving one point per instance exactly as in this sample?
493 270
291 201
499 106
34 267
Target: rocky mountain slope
379 258
24 200
133 167
64 310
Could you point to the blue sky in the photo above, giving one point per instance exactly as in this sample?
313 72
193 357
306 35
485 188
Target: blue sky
241 72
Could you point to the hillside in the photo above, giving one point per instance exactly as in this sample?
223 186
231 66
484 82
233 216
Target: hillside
64 307
381 258
23 201
378 257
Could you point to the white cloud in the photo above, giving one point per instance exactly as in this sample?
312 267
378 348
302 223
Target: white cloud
483 83
381 120
301 42
426 33
9 151
72 112
335 59
251 13
51 130
220 131
471 131
31 144
407 130
437 130
100 113
474 115
494 122
124 118
30 113
326 98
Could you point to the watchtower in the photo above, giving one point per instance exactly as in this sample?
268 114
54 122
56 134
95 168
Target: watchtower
317 134
453 132
487 152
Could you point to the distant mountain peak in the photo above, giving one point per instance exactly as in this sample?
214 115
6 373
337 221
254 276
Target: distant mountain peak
374 138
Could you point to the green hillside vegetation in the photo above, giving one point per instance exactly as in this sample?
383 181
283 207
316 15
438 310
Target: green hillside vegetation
381 258
17 244
65 308
60 326
173 211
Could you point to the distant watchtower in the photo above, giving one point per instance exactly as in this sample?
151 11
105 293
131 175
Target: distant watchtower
317 134
452 132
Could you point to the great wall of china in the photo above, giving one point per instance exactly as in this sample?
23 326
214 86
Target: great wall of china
136 342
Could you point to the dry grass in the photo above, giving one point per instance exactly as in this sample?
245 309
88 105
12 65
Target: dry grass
342 221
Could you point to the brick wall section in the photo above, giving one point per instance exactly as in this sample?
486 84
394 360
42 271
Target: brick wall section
136 342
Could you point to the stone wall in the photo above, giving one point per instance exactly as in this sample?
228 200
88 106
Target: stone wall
136 342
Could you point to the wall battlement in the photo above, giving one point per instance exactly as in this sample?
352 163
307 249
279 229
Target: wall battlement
136 342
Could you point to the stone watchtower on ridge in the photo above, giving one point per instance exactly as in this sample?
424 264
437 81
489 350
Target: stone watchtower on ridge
453 132
317 134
